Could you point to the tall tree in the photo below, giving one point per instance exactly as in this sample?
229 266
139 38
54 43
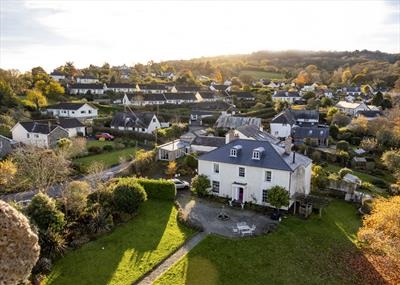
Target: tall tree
37 98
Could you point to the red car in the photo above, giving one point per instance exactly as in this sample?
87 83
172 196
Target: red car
105 136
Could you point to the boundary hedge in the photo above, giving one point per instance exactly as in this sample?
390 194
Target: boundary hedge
159 189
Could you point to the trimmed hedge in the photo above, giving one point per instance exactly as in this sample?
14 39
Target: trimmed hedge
158 188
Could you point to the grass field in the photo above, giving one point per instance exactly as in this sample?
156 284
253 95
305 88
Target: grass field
129 251
262 74
310 251
108 158
98 143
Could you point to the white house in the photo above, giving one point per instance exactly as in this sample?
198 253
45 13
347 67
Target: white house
73 126
122 87
85 88
38 134
290 97
57 75
87 79
80 111
244 170
351 108
181 98
139 99
137 122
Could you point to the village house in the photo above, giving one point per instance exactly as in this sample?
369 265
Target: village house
208 96
181 98
244 95
140 99
244 170
81 111
288 96
154 88
351 108
220 88
57 75
86 88
226 121
186 89
87 79
38 134
250 132
142 122
122 87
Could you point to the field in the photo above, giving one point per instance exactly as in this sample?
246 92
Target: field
127 253
314 251
262 74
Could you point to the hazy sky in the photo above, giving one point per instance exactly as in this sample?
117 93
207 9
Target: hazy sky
49 33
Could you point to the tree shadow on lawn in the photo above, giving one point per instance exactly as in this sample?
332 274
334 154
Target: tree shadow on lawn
314 251
125 254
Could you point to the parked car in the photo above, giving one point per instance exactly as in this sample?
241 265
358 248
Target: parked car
105 136
180 184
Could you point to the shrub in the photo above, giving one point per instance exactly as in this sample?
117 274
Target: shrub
95 149
200 185
191 161
394 189
379 183
128 195
355 140
366 186
344 171
316 156
342 145
278 196
108 148
158 188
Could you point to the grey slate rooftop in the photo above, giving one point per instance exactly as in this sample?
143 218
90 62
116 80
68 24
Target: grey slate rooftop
255 133
233 122
273 157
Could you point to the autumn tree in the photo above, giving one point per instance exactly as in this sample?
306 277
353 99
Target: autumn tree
74 197
171 169
37 98
391 159
7 171
381 229
38 169
346 76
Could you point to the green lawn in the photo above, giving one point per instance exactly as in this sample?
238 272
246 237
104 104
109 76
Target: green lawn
108 158
299 252
98 143
262 74
363 176
129 251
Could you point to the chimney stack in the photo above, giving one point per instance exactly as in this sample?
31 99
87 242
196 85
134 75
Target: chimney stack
288 145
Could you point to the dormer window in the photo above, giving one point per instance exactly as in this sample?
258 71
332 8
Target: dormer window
257 153
233 153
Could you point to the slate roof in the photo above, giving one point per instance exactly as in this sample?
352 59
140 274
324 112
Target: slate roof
153 87
274 157
207 94
233 122
86 86
220 87
286 94
254 132
146 97
57 73
39 128
209 141
301 132
121 85
69 123
370 113
290 116
138 120
68 106
188 88
242 95
180 96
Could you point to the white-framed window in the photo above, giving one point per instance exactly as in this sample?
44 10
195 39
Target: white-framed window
89 111
216 168
215 186
268 176
264 196
242 172
36 135
276 133
83 112
256 155
233 152
28 136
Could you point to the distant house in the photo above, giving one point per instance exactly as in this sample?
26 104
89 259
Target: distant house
57 75
202 144
244 95
250 132
173 150
220 88
351 108
180 98
353 91
122 87
208 96
6 146
187 89
140 99
370 114
72 125
196 117
234 122
142 122
244 170
81 111
87 79
86 88
44 135
315 135
289 96
154 88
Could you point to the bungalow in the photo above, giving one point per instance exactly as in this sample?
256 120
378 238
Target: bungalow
72 125
140 99
316 135
57 75
38 134
187 89
233 122
173 150
153 88
180 98
370 114
6 146
81 111
289 96
281 125
247 96
87 79
122 87
351 108
220 88
86 88
208 96
143 122
244 170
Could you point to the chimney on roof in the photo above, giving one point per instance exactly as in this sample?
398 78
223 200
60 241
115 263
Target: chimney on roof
288 145
230 136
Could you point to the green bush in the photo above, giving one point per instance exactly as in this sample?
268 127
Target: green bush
342 145
379 183
95 149
355 140
200 185
158 188
108 148
128 195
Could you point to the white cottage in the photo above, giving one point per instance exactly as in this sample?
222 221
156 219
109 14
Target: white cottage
80 111
351 108
142 122
244 170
